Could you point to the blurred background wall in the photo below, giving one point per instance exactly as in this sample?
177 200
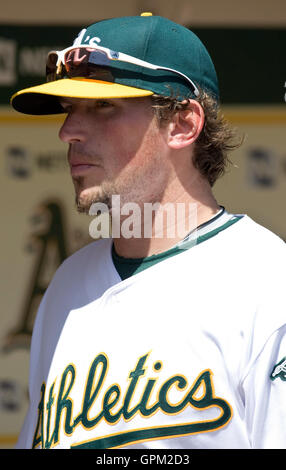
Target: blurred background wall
39 226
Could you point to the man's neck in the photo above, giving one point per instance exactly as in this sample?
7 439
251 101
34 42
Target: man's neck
170 224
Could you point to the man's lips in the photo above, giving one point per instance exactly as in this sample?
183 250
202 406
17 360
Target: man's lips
80 167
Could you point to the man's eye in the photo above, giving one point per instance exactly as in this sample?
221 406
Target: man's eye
103 104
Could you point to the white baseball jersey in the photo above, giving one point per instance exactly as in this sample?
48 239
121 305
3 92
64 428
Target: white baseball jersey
189 353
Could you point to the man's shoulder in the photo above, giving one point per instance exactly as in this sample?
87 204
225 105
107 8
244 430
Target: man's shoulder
261 236
96 250
251 243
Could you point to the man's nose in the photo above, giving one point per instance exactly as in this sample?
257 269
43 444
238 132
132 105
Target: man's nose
72 129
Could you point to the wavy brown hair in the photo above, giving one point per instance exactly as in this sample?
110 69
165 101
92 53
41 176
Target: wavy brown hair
216 139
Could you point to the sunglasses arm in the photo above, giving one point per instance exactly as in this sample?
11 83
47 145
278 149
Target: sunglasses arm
135 61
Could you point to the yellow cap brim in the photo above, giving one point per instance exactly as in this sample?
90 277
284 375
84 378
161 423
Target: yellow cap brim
43 99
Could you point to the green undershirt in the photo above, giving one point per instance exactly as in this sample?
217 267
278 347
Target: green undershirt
127 267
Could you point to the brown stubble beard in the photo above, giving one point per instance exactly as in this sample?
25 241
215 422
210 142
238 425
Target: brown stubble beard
145 185
132 189
103 195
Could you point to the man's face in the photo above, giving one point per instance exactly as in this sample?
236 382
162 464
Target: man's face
116 147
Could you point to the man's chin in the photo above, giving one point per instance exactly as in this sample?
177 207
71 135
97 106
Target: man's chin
85 199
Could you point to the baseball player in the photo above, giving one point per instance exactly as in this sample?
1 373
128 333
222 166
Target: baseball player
172 336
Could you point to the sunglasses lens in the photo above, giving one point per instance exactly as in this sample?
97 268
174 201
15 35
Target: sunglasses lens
84 62
78 56
80 62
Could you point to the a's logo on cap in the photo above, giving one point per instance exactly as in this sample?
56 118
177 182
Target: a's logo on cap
88 40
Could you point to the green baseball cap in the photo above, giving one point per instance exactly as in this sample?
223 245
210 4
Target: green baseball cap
178 64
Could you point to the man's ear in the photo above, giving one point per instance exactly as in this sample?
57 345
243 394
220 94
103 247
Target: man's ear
186 126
